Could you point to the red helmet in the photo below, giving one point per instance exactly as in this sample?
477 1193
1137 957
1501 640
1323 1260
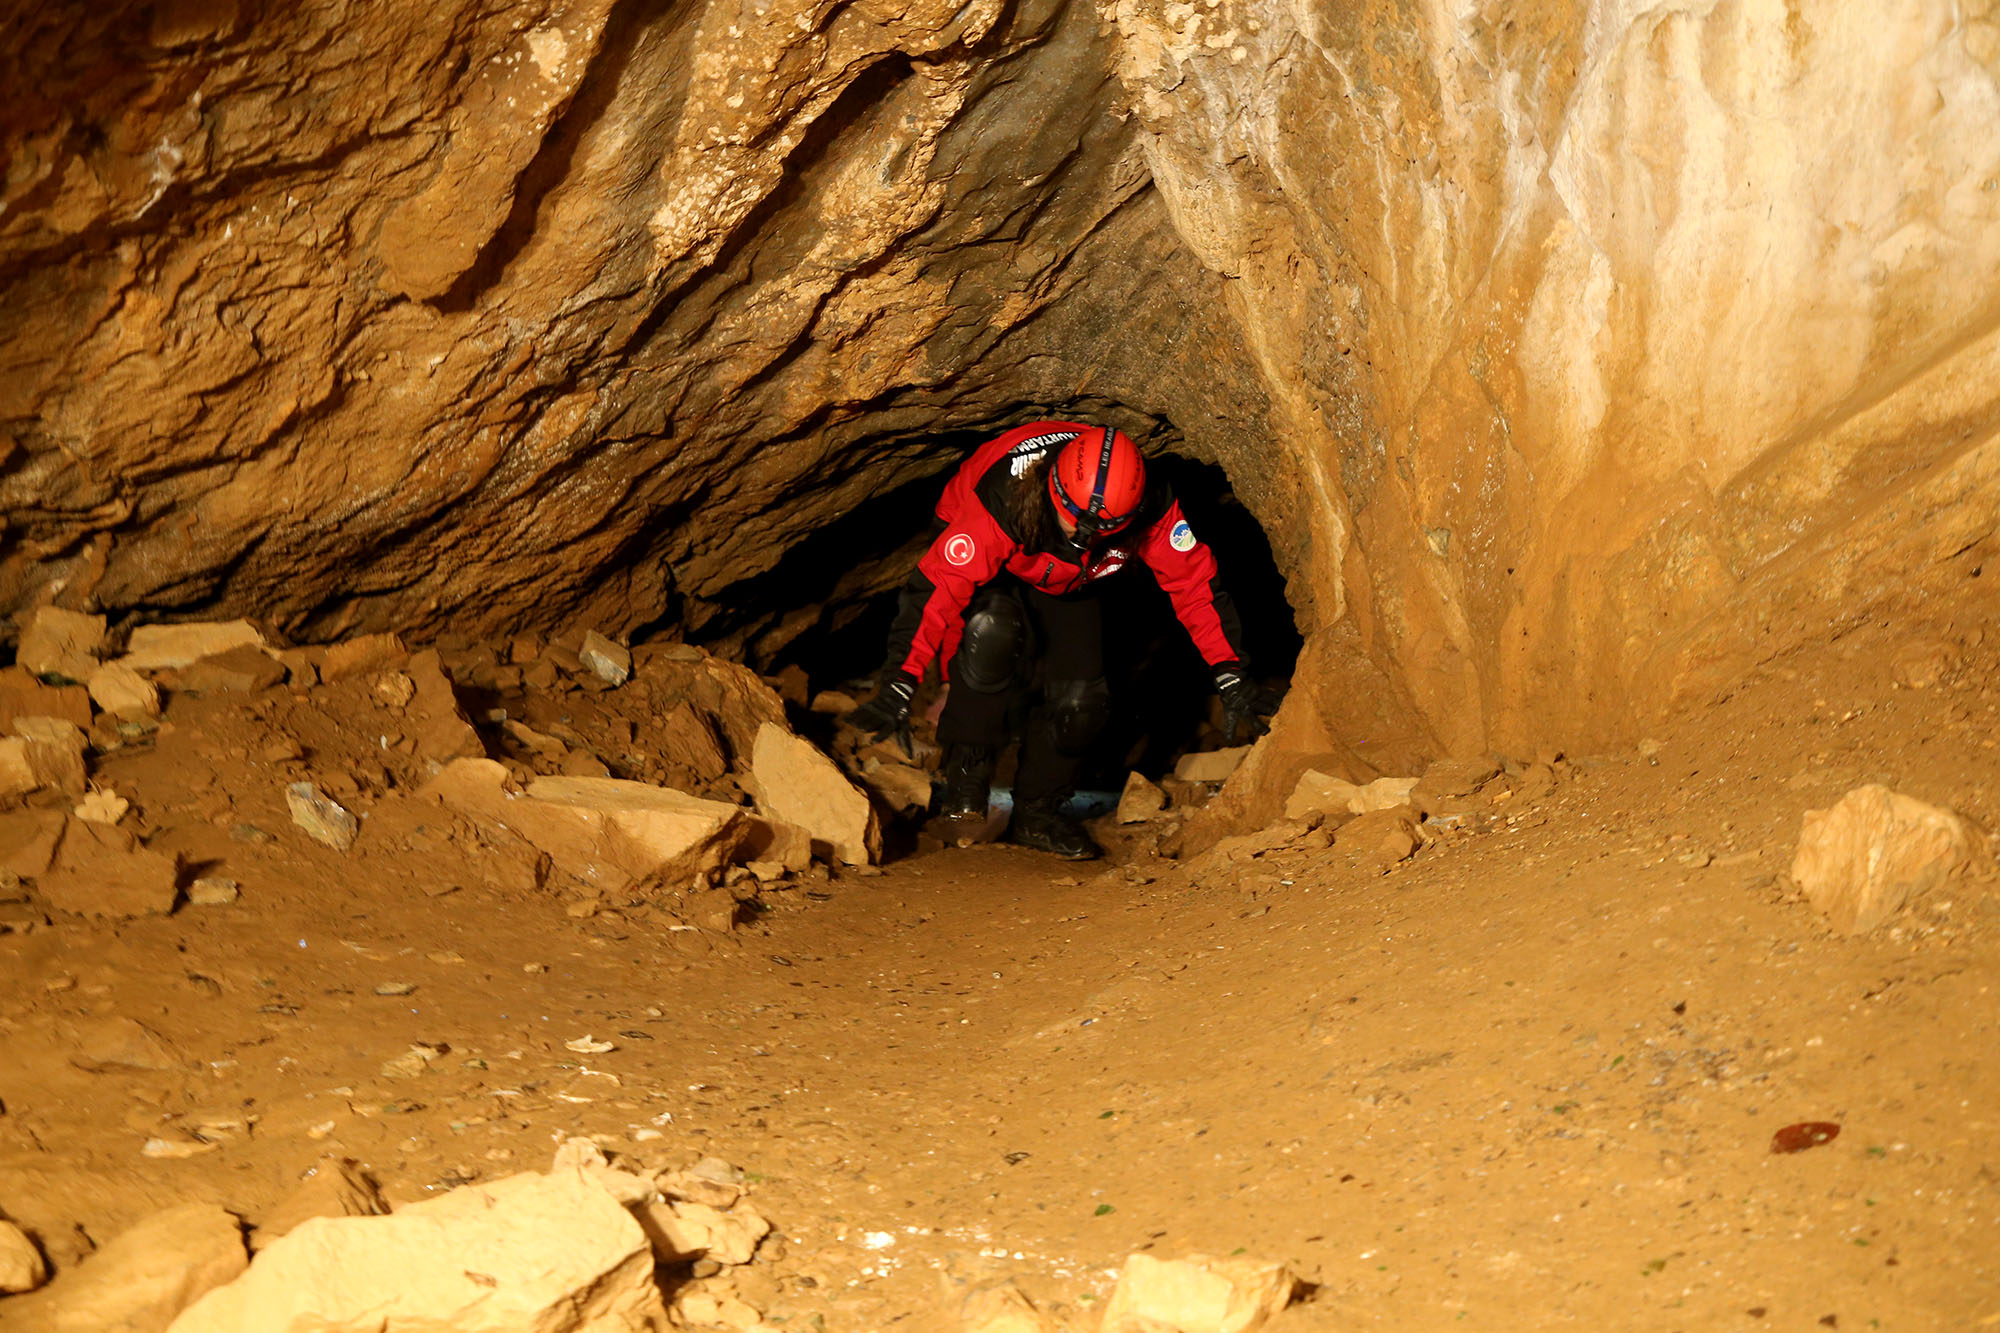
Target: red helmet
1098 480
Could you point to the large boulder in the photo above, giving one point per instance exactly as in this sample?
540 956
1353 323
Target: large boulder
140 1281
175 647
1197 1295
527 1254
800 785
1860 861
60 643
604 831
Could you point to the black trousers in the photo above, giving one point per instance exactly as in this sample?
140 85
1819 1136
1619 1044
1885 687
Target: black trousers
1033 662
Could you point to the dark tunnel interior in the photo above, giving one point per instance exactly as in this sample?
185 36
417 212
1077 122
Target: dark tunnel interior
1162 692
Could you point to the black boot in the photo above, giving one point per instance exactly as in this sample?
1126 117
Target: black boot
964 788
1043 826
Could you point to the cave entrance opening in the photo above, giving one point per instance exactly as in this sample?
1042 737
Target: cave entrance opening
1162 691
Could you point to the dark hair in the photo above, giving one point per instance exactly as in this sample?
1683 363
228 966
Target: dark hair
1030 518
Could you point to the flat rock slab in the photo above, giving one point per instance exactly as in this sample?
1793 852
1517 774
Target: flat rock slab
101 870
1874 850
551 1254
1318 793
61 643
174 647
118 689
1210 765
604 831
370 652
104 1045
140 1281
243 670
800 785
21 695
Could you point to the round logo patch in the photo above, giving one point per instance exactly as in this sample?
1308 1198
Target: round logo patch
959 550
1182 538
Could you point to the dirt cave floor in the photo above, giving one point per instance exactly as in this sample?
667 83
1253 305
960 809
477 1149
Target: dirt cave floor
1528 1078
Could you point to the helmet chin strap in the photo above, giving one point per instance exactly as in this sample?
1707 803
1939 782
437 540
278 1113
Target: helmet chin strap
1090 523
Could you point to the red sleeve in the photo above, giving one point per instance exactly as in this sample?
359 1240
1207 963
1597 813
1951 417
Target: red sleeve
1187 574
970 552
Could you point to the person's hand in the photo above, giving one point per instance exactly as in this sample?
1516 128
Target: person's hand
1240 700
888 712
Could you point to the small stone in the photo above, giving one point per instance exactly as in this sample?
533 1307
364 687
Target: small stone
1387 836
395 689
1649 750
414 1061
1210 765
902 788
396 988
589 1045
609 662
283 750
1140 801
323 819
107 1044
1862 860
22 1267
1197 1295
176 1148
833 703
214 891
1922 662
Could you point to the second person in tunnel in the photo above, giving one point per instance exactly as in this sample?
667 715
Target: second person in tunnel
1005 601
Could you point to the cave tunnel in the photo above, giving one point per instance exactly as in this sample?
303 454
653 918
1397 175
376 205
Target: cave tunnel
457 464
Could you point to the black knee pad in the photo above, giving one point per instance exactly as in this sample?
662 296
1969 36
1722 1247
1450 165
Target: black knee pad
1077 711
989 655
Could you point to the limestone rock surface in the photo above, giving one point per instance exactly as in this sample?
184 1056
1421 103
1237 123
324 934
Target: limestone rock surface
801 786
552 1254
1874 850
1567 371
140 1281
22 1267
1197 1295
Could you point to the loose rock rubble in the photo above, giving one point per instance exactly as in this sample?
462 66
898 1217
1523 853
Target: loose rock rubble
597 770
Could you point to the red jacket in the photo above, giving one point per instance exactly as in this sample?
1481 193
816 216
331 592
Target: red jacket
977 545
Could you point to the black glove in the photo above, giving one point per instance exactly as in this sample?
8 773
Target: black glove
1239 704
888 713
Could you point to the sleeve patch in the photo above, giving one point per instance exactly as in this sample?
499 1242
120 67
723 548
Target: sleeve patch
960 549
1182 538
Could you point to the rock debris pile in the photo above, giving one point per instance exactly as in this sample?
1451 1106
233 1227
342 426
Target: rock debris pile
193 764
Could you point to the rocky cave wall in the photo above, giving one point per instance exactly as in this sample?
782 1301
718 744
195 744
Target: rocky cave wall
1574 357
